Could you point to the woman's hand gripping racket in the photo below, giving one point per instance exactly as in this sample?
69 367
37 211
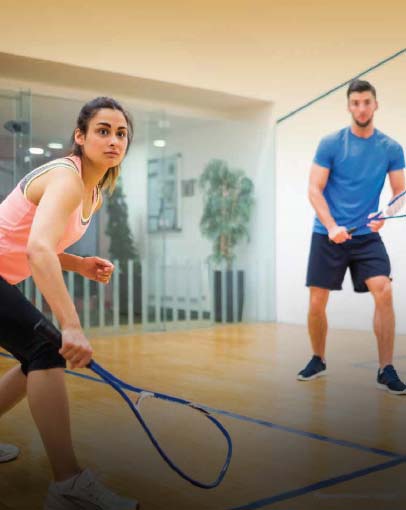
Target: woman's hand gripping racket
46 330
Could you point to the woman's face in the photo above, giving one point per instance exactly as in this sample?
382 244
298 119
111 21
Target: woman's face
106 140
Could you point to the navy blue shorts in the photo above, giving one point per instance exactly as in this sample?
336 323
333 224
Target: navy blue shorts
365 255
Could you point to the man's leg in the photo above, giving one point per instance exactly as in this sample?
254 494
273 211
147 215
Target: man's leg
317 320
317 327
384 328
326 268
384 317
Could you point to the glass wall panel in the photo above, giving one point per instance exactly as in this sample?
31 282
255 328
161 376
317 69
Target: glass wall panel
185 285
167 276
15 138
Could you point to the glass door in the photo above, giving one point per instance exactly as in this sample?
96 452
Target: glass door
176 293
159 217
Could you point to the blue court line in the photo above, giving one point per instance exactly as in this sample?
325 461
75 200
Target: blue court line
396 458
310 435
329 482
256 421
341 85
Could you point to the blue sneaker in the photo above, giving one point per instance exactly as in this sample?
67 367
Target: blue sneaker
388 380
315 368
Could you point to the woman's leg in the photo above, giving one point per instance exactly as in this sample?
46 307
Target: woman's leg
13 388
44 383
48 401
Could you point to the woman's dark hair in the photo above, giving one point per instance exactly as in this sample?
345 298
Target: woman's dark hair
88 111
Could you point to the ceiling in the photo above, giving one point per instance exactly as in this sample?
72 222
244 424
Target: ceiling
207 58
285 52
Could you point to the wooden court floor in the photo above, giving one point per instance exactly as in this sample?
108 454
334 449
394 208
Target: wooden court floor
336 443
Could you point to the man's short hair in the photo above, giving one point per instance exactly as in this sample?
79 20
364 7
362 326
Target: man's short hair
360 86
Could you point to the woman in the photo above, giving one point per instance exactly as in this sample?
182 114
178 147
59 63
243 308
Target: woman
49 210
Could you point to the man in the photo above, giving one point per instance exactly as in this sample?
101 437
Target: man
346 179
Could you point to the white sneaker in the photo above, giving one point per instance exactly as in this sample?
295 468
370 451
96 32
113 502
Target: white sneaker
87 493
8 452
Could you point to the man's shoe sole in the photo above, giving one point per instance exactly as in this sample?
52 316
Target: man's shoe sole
322 373
383 387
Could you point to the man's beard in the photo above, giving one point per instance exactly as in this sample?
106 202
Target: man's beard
363 124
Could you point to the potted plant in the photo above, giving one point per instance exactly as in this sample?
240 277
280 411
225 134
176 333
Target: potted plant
228 201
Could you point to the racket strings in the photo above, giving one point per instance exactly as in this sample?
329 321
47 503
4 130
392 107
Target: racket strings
46 330
121 387
396 207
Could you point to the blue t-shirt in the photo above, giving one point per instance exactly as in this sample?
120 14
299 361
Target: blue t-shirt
358 168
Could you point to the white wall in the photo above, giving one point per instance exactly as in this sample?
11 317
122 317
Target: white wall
297 139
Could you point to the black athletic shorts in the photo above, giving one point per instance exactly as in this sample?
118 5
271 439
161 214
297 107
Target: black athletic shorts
365 255
18 316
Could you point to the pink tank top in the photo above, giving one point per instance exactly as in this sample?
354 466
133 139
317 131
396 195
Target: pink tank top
17 214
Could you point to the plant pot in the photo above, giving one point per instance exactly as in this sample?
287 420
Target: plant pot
137 293
230 291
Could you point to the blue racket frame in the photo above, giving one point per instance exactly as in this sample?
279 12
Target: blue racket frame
380 215
47 331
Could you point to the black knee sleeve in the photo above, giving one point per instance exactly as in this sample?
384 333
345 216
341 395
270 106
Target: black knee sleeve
20 334
42 357
43 352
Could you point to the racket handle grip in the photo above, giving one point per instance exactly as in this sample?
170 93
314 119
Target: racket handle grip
349 231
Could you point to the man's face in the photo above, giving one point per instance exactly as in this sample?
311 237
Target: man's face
362 106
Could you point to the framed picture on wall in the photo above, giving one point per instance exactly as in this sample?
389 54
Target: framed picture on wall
164 194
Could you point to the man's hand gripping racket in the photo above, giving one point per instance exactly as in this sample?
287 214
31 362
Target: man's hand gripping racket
396 208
